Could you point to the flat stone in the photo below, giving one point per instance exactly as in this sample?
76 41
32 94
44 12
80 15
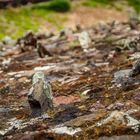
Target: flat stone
4 110
65 130
119 118
122 73
86 119
124 137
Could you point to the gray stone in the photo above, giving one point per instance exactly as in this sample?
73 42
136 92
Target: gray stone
121 73
135 69
119 118
4 110
84 40
8 40
134 19
128 44
40 95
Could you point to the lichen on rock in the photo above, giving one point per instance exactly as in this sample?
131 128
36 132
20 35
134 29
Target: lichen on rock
40 95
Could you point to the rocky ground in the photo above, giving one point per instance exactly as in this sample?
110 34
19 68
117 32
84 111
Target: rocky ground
94 77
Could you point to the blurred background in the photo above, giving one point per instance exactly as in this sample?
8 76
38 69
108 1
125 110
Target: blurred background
19 16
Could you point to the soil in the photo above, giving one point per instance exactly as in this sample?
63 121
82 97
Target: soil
88 16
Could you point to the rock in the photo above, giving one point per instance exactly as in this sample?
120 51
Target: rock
119 118
65 130
44 68
133 19
124 137
112 55
102 64
26 137
136 97
6 62
96 107
13 124
84 40
135 56
5 89
128 44
103 25
42 51
8 40
122 73
135 69
40 95
124 79
66 32
44 34
78 27
85 92
4 110
27 42
116 106
2 83
133 15
85 120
